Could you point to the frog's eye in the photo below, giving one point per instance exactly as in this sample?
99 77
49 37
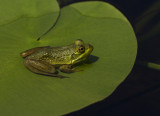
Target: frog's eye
79 42
81 49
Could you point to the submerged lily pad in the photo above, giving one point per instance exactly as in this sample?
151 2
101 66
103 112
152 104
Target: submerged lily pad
26 93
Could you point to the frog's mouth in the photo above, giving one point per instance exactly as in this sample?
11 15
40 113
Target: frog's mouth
84 56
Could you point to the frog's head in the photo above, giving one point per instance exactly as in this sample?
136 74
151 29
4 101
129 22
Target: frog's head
82 51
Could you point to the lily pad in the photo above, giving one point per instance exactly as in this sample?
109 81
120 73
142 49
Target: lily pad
98 23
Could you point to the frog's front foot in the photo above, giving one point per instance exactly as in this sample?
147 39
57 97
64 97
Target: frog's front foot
42 68
68 69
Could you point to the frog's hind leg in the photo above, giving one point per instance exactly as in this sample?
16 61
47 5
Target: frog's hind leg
31 51
41 68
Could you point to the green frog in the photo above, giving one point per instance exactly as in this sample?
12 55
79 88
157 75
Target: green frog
46 60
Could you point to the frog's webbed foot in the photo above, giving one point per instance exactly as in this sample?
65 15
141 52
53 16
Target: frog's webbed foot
31 51
68 69
42 68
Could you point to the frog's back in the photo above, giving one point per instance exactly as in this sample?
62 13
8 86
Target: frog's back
54 55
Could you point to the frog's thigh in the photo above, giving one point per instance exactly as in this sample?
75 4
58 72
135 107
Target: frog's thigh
39 66
31 51
66 69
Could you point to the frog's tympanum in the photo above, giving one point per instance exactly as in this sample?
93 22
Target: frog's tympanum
45 60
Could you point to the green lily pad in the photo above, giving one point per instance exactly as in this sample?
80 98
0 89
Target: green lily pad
98 23
28 18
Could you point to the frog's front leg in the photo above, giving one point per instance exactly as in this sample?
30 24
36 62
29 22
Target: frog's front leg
67 69
40 67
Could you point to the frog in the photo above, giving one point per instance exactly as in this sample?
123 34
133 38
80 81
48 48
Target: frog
47 60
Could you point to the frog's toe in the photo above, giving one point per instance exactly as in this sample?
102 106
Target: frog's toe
77 70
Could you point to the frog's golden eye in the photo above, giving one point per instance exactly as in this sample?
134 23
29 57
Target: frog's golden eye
81 49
